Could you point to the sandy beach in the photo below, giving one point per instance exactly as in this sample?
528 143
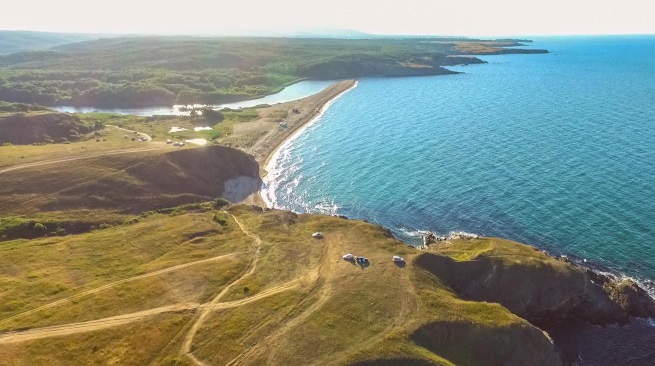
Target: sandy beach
272 135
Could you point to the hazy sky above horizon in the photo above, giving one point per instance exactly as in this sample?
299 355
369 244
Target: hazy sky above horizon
443 17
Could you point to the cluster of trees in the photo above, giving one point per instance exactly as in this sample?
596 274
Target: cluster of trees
20 107
137 71
134 87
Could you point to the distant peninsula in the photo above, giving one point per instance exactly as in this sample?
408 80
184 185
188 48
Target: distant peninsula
162 71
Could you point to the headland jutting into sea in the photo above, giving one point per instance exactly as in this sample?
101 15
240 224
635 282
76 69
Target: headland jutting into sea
605 266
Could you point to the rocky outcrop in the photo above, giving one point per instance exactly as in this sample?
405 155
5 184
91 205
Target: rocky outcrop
633 299
533 285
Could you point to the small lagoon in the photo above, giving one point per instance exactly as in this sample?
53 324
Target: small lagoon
295 91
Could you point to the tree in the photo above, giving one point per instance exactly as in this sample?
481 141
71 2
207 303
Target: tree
212 115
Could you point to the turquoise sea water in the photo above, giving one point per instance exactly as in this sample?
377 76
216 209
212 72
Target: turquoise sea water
555 150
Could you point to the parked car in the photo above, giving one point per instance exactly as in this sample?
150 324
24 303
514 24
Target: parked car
398 259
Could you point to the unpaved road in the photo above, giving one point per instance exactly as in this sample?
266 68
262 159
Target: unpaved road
142 134
188 339
114 321
116 283
86 156
324 287
64 160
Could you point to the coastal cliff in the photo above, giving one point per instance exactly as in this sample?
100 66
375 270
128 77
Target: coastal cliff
534 285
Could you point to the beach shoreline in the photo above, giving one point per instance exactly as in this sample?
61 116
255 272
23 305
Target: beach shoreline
300 114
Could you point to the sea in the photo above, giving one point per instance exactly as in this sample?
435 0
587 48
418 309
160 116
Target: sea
554 150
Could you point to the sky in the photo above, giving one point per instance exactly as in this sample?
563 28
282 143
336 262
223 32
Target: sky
433 17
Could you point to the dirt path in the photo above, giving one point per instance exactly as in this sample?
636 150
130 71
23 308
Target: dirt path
93 155
132 131
114 321
89 156
116 283
93 325
322 283
205 309
188 339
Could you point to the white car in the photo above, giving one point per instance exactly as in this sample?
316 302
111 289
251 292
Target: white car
317 235
348 257
169 141
398 259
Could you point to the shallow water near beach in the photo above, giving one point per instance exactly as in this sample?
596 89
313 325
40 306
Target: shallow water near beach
554 150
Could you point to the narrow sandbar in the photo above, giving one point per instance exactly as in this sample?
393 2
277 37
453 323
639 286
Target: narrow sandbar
295 115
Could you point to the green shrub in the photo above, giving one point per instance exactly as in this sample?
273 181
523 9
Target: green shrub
221 202
221 219
40 227
131 220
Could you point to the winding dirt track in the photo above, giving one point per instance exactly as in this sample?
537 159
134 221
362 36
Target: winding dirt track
324 287
205 309
92 325
188 339
132 131
110 285
86 156
65 160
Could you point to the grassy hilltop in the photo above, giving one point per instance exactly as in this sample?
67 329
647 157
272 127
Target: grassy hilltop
244 286
146 71
211 285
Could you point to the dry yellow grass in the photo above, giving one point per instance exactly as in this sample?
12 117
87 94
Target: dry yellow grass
287 299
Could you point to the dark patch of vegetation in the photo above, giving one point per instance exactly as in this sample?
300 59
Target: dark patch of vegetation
21 107
221 219
211 115
21 128
18 227
221 202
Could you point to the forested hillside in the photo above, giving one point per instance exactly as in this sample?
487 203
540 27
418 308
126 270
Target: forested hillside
21 41
145 71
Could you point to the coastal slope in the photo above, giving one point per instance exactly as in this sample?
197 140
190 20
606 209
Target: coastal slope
532 284
245 286
129 183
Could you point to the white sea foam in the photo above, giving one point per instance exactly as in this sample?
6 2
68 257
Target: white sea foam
271 182
412 233
202 129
